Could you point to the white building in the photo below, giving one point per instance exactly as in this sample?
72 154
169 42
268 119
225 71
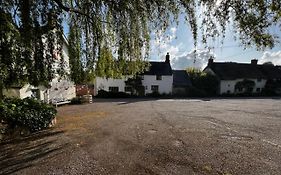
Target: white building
111 85
231 73
158 78
60 88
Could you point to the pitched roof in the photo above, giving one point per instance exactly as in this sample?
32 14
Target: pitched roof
231 70
271 71
181 78
159 68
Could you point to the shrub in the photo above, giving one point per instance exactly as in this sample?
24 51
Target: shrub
205 83
77 100
195 92
154 94
27 113
137 86
246 85
105 94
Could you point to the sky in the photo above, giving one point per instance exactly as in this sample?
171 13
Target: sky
179 43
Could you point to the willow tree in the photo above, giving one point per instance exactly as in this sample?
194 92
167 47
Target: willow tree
116 32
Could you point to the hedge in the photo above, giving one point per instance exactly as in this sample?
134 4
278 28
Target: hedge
28 113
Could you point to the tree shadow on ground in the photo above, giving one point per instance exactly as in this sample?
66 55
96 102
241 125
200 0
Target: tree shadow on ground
124 101
21 153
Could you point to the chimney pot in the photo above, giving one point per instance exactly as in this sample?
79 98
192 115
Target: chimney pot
210 61
167 58
254 61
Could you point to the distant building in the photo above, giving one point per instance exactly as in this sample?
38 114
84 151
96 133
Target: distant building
232 74
181 82
111 85
158 78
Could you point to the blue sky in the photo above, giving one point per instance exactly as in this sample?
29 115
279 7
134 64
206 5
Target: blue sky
179 43
177 40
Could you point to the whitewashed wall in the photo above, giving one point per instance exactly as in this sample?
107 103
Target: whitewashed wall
104 84
61 90
165 85
25 91
229 85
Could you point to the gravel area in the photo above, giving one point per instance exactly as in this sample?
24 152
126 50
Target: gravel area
150 136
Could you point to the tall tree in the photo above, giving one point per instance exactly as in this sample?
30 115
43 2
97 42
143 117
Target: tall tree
120 28
11 65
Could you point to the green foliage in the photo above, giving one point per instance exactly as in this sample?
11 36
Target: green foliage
136 84
195 92
246 86
105 94
205 84
106 66
272 88
28 43
77 73
250 21
115 34
78 100
154 94
11 65
28 113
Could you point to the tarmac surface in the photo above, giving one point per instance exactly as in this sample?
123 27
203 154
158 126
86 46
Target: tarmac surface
150 136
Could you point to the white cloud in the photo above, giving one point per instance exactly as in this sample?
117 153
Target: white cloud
197 60
274 57
162 43
179 56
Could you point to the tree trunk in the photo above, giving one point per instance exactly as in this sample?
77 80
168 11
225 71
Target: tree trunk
1 91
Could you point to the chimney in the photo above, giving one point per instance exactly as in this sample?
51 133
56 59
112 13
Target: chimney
167 58
254 61
210 61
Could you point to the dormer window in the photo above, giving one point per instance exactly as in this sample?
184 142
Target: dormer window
158 77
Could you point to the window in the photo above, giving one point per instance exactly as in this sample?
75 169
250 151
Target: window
258 89
259 79
154 88
35 93
145 87
113 89
128 89
158 77
142 77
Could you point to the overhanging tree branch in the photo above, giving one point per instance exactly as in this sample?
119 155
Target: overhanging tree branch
68 9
